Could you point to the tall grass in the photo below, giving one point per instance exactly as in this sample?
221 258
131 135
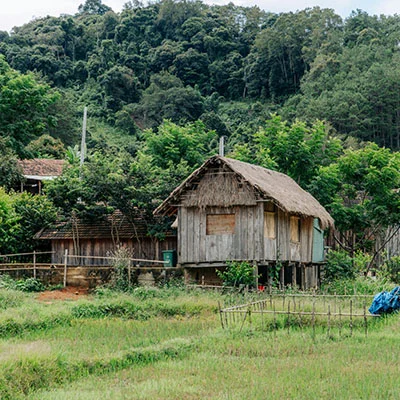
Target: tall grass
253 366
168 344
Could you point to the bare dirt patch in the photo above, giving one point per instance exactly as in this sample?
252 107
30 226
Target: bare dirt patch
68 293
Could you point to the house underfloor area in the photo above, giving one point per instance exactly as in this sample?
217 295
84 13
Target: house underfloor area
295 274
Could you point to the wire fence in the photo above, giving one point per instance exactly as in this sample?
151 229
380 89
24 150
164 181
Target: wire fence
330 314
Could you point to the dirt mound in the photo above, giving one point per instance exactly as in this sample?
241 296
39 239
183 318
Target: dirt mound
67 293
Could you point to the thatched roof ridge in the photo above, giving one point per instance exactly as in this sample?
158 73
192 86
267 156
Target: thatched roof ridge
272 185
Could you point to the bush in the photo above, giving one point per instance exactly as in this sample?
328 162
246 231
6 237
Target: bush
120 263
25 285
237 274
339 265
391 269
30 285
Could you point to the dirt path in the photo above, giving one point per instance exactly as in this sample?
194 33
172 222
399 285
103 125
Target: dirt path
68 293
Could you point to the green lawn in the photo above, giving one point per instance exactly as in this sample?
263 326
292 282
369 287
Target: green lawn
170 345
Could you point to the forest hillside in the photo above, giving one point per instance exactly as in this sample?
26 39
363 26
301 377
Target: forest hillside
306 93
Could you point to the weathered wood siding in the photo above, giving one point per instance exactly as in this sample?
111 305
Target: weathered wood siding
250 239
283 236
392 246
306 239
195 246
146 248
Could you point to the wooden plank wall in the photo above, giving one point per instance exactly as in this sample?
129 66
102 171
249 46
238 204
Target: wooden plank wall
306 239
195 246
148 248
247 242
392 247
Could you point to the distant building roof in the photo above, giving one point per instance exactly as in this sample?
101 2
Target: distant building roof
41 168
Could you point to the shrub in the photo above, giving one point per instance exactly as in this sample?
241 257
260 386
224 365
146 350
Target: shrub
25 285
339 265
237 274
120 278
30 285
391 268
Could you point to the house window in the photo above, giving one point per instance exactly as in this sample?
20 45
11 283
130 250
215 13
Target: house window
295 229
269 225
220 224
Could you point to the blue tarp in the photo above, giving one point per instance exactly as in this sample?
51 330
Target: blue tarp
386 302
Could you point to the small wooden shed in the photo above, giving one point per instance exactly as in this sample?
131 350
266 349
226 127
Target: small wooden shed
101 238
37 171
232 210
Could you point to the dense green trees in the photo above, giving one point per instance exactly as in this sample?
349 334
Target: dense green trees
21 216
282 87
297 149
360 189
311 61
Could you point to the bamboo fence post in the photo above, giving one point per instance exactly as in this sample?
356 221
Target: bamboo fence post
365 319
34 264
334 309
340 321
65 267
313 318
129 273
351 317
250 318
288 318
220 315
244 319
262 317
275 327
300 319
329 320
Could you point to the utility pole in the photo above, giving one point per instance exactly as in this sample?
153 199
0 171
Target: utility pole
222 146
83 142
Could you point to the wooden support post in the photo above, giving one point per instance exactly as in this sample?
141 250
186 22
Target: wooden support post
256 274
65 267
34 264
294 267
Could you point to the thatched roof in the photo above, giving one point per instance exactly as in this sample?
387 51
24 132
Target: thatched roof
266 184
41 168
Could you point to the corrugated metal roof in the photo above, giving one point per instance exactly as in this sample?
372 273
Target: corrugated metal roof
115 226
41 167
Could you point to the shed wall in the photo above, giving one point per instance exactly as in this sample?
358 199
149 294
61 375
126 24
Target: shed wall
147 248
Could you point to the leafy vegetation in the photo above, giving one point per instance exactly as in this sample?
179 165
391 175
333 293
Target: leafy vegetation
238 274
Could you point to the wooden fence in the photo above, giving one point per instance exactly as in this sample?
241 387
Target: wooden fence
14 263
341 313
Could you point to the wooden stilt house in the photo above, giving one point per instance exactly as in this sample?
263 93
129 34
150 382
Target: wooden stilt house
232 210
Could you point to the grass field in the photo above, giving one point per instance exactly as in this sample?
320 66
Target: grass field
169 344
